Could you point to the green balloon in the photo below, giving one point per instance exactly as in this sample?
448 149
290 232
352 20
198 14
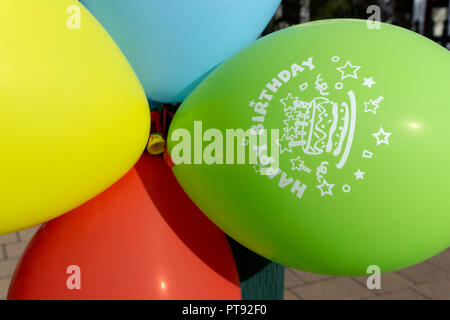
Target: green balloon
363 172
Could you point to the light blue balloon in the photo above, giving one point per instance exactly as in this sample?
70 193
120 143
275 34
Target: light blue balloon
173 44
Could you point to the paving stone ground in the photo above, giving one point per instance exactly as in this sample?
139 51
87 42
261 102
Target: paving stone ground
425 281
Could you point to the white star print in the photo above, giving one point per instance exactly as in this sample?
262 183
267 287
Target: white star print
251 104
369 107
382 136
299 165
283 146
326 185
359 175
372 105
288 102
369 82
353 74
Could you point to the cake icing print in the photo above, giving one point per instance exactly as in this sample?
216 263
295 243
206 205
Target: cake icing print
319 118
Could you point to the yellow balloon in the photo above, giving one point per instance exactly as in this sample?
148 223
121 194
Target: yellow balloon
73 115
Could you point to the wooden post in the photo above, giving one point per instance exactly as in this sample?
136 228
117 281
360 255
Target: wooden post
261 279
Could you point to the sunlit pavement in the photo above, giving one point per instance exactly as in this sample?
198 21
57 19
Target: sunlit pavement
428 280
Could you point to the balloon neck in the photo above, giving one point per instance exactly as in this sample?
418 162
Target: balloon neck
160 123
156 144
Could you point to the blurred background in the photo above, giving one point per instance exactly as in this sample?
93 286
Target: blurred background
427 17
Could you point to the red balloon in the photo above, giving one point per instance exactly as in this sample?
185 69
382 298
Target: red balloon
141 239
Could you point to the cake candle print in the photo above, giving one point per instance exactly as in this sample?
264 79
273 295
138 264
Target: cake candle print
325 126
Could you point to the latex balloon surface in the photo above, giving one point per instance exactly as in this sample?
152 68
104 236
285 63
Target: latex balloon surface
73 116
174 44
143 238
355 172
